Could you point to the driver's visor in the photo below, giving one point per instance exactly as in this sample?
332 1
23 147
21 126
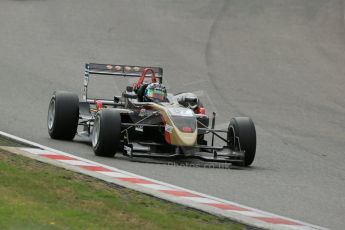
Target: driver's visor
157 94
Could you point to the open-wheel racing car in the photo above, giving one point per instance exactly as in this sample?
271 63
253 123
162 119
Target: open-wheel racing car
146 121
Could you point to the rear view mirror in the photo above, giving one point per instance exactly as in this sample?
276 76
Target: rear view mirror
130 95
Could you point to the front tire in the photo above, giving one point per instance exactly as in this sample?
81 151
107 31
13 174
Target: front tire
63 115
242 136
106 133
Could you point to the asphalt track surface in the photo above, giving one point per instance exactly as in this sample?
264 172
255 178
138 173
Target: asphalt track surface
280 62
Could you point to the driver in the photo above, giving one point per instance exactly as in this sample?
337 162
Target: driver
155 92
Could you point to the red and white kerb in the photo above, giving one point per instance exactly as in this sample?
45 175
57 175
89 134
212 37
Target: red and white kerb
164 188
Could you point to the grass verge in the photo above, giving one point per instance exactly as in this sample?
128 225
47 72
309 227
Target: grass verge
35 195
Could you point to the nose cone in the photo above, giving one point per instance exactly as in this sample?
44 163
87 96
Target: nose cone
179 138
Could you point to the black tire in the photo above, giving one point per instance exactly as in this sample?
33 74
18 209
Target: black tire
63 115
106 133
244 129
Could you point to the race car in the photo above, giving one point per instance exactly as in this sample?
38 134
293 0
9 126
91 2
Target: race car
146 121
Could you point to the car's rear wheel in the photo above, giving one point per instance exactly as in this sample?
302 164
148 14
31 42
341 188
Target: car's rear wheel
106 133
242 137
63 115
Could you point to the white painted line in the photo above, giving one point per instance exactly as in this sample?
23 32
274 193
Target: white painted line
156 186
76 162
251 213
38 151
202 200
117 174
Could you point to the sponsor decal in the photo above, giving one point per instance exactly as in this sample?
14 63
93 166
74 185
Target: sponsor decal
139 128
168 128
128 150
184 112
142 113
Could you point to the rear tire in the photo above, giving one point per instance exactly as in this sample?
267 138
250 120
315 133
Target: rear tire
63 115
106 133
244 129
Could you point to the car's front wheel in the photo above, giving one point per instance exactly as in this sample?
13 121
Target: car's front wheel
242 137
63 115
106 133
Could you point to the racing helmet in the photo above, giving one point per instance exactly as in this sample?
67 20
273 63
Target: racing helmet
188 100
155 92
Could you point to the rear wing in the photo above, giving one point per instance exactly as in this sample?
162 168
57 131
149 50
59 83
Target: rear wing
118 70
